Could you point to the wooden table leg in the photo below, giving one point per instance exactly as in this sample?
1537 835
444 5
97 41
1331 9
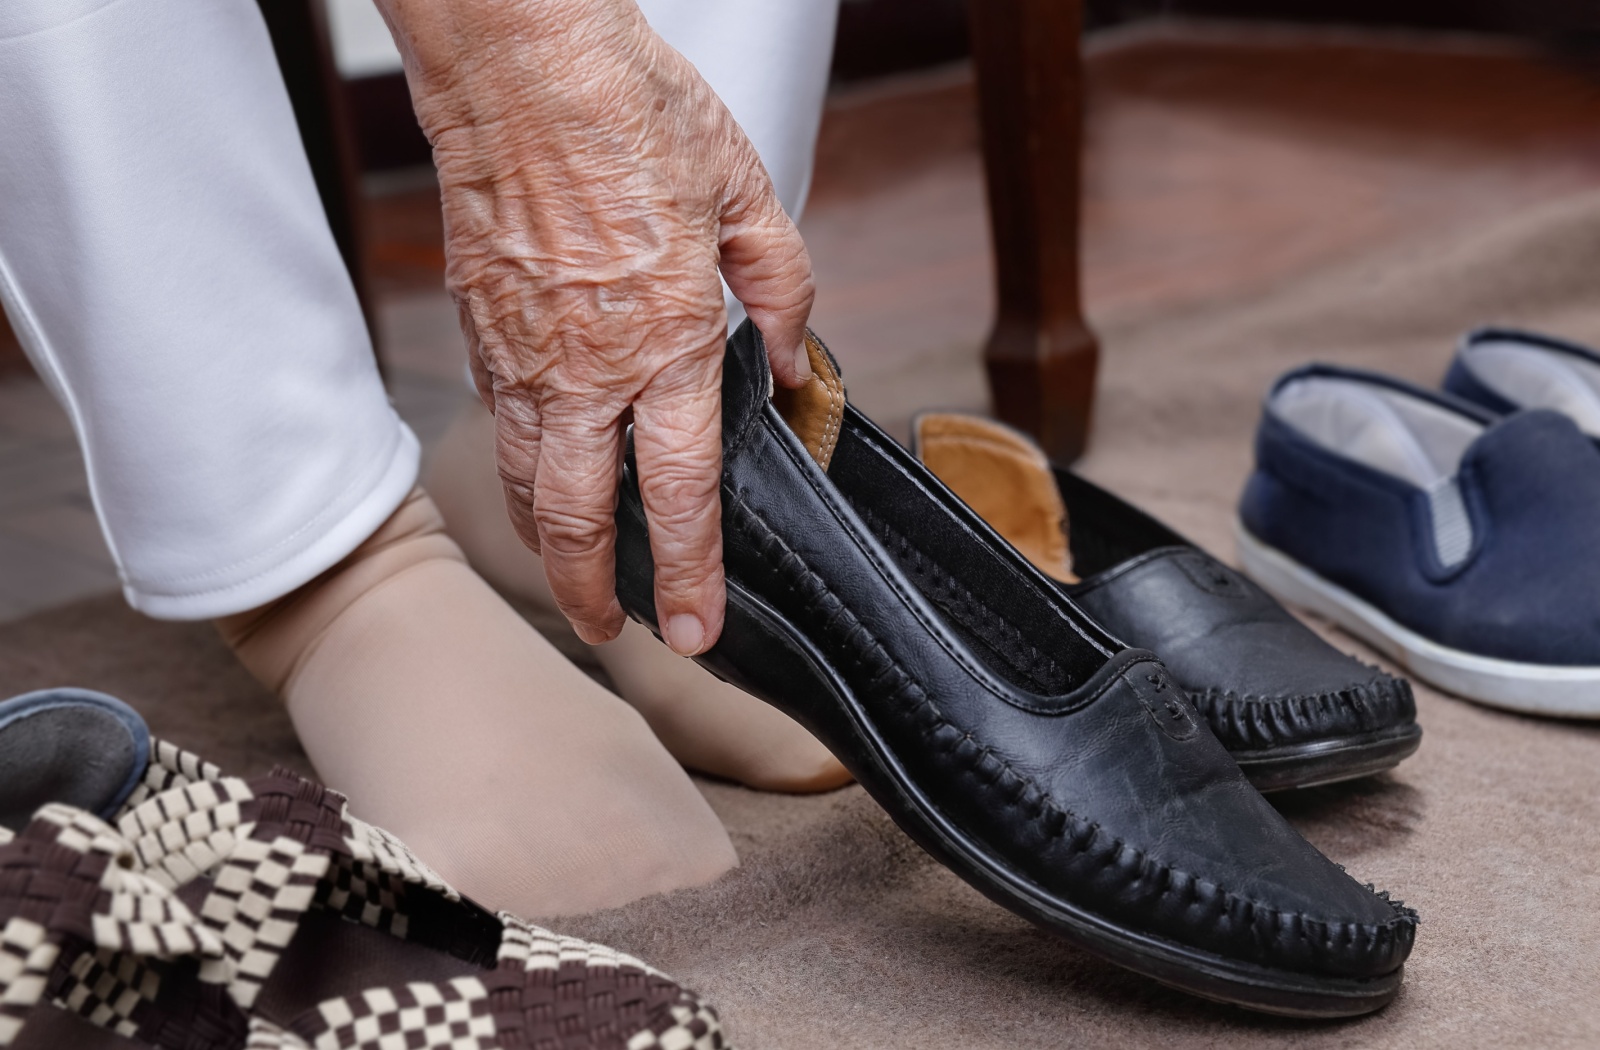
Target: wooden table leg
1041 357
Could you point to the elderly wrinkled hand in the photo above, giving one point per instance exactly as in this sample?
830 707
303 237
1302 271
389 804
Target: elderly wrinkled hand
593 185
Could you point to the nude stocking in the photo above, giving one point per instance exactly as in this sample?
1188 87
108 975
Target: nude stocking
707 724
448 720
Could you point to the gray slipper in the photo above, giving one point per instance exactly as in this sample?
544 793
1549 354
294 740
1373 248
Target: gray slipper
76 746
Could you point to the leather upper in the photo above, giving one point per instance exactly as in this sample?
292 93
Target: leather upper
1261 677
1072 759
1527 590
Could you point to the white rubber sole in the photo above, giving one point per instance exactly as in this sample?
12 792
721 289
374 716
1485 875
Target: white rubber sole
1541 689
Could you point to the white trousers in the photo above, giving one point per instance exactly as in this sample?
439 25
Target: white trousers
167 265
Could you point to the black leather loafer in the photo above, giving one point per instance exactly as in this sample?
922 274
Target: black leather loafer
1058 772
1291 709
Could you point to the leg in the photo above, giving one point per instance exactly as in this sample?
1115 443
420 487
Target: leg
408 680
169 270
1041 357
168 264
769 63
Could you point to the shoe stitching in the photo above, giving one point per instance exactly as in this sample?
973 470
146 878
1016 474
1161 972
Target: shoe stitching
1281 719
1054 818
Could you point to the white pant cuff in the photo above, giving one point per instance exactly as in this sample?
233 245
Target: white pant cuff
389 489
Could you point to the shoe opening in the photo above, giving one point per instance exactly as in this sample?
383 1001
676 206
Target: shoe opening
1392 432
1383 428
1003 476
1537 376
1015 622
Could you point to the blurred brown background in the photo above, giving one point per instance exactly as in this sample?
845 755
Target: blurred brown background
879 38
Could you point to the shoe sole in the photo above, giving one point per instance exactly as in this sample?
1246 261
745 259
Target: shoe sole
1328 761
814 696
1540 689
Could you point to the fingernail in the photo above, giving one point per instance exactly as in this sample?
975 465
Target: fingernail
802 362
684 632
591 635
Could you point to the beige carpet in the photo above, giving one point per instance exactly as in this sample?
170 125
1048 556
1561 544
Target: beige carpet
836 932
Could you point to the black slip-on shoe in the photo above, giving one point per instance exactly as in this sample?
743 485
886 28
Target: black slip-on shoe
1058 772
1291 709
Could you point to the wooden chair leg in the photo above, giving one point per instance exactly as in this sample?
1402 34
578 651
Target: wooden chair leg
1041 357
304 47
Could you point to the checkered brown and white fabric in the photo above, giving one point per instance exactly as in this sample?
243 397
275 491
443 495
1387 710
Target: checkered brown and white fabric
67 881
119 985
266 845
256 902
528 947
110 989
264 1035
383 851
154 1002
369 883
130 911
455 1015
566 993
170 766
27 954
279 845
188 830
693 1027
362 893
545 991
75 830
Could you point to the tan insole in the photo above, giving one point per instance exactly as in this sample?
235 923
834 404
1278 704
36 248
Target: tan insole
1005 478
815 412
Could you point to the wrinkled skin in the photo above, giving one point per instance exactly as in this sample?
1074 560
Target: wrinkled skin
592 184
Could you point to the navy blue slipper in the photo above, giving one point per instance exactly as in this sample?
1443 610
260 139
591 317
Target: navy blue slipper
1458 544
1507 370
